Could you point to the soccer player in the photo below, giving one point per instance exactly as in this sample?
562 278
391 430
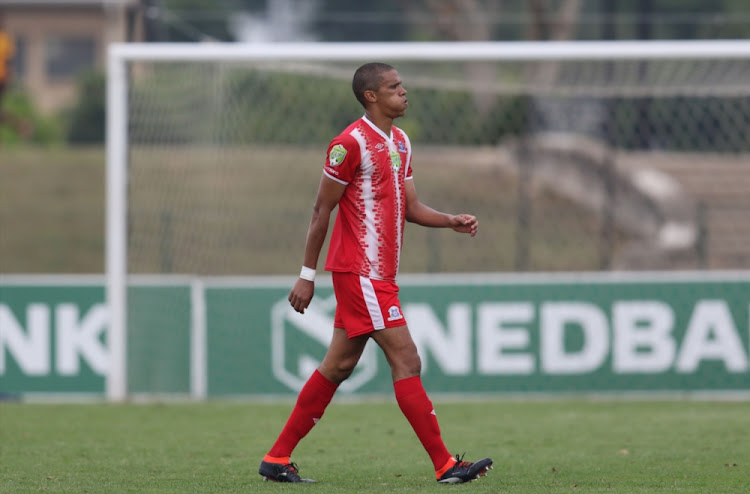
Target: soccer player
368 175
6 55
7 52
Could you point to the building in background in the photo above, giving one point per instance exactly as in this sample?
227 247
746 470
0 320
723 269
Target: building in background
56 40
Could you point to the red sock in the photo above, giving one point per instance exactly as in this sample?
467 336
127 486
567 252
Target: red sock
418 409
311 403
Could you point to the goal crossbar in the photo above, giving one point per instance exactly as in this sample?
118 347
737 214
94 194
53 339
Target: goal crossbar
466 51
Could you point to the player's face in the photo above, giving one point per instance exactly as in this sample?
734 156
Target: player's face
392 95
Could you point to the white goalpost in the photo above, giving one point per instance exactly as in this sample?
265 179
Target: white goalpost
191 128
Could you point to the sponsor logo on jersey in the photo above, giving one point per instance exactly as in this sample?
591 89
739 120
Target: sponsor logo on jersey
395 161
379 147
394 313
337 155
401 146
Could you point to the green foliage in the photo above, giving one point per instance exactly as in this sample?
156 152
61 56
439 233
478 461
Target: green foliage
271 107
320 108
457 118
87 119
208 103
225 108
23 124
167 101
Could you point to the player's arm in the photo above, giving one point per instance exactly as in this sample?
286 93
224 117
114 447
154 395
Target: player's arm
329 194
421 214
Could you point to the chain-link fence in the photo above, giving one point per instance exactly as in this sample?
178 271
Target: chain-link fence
569 165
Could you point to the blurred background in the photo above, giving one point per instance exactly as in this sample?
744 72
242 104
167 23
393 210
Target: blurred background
633 169
622 166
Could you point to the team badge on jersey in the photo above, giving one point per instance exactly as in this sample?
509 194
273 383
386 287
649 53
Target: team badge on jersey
394 313
401 146
337 155
395 161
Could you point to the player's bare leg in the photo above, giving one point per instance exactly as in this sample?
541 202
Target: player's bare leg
342 356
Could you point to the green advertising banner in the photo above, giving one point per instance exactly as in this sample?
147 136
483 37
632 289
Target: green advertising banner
477 334
486 334
592 335
52 336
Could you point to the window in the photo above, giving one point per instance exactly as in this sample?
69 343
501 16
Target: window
18 62
67 56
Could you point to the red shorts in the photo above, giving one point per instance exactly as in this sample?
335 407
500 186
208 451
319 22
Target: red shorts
364 305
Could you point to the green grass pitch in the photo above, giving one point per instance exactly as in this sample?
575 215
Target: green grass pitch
539 446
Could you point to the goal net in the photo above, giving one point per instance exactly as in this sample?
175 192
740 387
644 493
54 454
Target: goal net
566 152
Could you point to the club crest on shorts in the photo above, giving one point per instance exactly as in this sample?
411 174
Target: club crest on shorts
394 313
337 155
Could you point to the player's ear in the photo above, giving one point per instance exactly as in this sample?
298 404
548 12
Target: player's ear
370 96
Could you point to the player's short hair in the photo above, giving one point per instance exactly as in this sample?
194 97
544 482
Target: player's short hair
368 78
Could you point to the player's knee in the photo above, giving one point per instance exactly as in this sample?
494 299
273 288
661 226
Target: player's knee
409 365
414 365
346 367
338 371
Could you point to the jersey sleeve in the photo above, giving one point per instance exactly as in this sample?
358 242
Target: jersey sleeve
342 159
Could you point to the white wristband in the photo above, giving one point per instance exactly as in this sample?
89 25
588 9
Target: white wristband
307 273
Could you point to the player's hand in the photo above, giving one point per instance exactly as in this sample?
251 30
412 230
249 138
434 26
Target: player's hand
465 223
301 294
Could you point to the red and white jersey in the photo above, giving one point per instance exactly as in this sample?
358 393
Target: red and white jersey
369 228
